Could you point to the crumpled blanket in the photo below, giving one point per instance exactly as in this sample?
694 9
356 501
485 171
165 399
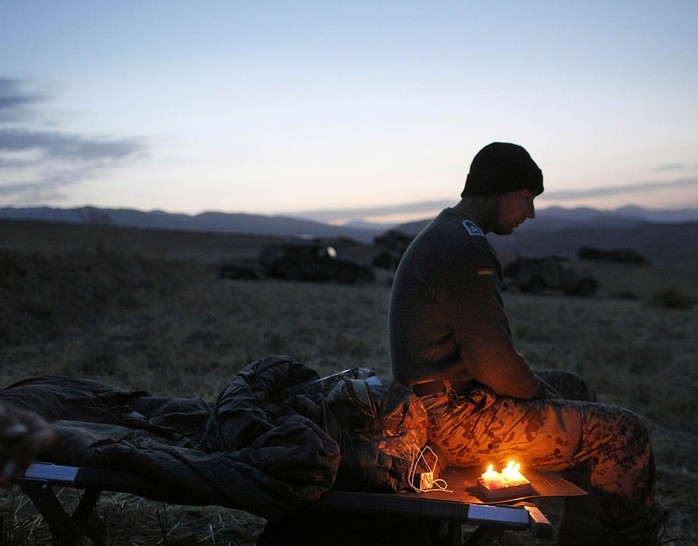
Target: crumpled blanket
277 436
249 450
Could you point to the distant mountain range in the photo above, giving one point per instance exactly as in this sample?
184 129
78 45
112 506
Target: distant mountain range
558 218
665 237
216 222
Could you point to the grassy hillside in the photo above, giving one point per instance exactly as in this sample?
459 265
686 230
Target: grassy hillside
147 310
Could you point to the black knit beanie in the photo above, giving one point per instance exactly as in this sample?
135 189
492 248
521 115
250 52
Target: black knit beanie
502 167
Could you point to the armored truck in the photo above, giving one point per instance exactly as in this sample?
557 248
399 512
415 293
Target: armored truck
535 275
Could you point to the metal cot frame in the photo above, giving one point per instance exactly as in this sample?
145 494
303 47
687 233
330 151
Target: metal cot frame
69 529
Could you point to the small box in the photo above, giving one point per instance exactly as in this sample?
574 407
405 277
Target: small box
426 480
505 491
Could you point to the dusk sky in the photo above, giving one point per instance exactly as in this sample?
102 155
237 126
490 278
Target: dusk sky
291 107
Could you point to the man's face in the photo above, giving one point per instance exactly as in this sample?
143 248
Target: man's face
514 208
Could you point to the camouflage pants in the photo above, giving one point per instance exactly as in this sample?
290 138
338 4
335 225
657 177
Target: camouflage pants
608 443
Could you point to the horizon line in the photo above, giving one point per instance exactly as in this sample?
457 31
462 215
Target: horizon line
345 217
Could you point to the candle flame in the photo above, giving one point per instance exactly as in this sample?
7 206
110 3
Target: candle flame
510 475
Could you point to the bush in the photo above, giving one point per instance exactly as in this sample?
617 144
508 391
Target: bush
671 298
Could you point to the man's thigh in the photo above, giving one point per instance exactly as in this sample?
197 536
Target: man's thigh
487 429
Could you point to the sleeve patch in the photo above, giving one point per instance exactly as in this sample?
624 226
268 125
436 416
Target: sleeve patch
472 228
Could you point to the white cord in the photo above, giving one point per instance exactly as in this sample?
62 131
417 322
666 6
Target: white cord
417 456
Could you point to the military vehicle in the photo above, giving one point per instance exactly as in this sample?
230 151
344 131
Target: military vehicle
301 260
535 275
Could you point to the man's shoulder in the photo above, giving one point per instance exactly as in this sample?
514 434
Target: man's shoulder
452 227
450 240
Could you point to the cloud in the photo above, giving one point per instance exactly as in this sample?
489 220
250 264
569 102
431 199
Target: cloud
38 166
608 191
402 213
67 146
36 191
15 100
676 167
671 167
341 215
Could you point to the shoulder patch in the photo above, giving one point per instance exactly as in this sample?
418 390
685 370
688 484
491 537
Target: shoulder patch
472 228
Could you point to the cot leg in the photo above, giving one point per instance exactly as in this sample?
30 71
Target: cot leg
484 534
68 530
455 534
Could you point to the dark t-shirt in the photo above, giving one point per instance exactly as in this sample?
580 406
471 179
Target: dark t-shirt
447 319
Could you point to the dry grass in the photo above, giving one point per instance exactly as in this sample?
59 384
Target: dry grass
175 328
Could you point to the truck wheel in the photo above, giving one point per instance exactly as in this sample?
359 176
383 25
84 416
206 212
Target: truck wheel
535 286
294 273
586 288
228 273
346 276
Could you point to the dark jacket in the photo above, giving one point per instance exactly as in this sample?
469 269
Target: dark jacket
447 318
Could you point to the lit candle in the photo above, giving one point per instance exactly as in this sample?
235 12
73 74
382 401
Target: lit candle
492 478
505 484
511 474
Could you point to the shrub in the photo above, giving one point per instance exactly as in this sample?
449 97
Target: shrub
671 298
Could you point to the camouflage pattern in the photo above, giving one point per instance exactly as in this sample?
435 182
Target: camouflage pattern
475 427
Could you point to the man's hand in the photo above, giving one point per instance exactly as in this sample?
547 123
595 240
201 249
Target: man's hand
23 434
